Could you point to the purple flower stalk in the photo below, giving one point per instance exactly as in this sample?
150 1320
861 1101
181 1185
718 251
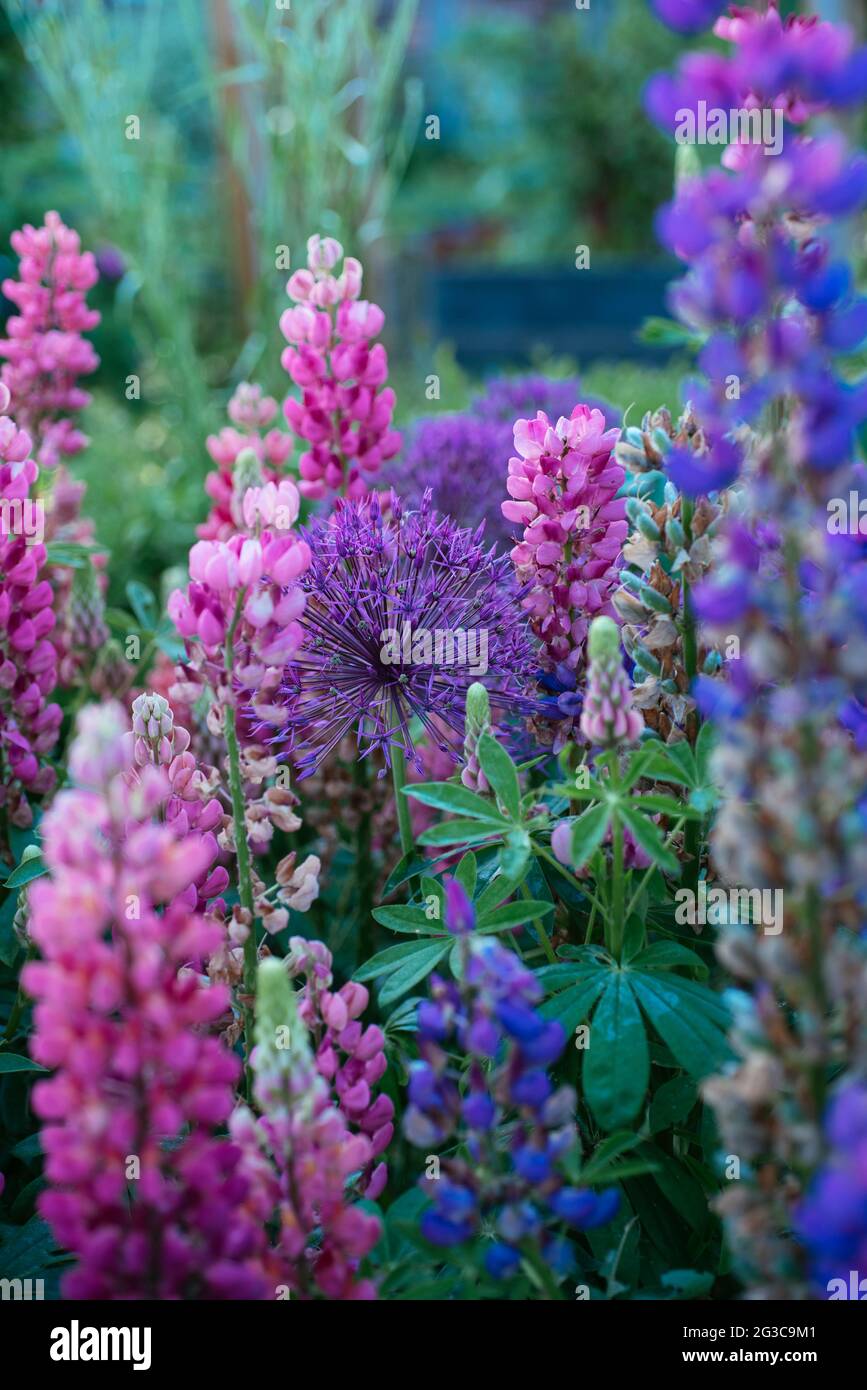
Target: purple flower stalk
491 1017
832 1219
403 611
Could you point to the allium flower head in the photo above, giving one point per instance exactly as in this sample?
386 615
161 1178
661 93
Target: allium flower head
461 456
402 613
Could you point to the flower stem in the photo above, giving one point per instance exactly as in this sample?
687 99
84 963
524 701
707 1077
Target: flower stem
404 820
364 862
539 928
618 907
691 837
242 847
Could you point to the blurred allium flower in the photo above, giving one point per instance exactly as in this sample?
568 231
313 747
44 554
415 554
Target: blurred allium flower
349 1056
299 1155
28 660
44 350
140 1190
250 413
832 1219
408 574
345 409
491 1017
563 485
462 457
688 16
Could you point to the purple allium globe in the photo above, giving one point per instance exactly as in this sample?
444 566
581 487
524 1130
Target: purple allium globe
405 609
463 456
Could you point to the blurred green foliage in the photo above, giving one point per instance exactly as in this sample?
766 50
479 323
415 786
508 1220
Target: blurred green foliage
552 148
257 126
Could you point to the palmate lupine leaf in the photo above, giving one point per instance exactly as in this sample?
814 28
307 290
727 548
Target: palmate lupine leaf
620 1003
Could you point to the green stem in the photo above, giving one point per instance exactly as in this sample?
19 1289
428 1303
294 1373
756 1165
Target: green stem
618 888
242 847
404 820
539 928
364 863
692 834
541 1269
645 877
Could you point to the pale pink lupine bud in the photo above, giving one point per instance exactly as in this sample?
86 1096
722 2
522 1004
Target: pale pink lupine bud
350 280
323 253
608 718
300 285
250 564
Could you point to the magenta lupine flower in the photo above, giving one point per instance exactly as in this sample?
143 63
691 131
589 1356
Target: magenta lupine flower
28 661
44 350
192 805
563 485
246 586
379 590
299 1156
250 413
140 1190
345 409
349 1056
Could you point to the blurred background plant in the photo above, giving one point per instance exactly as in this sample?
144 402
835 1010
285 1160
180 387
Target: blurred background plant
463 150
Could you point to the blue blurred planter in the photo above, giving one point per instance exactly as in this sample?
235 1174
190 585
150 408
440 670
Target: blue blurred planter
495 317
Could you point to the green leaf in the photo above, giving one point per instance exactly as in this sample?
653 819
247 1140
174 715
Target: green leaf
605 1152
9 1062
401 981
638 764
26 1251
704 746
669 765
406 920
384 962
501 773
696 1040
169 640
513 914
672 1103
616 1065
649 837
661 955
515 855
588 832
459 832
687 1283
410 866
26 871
71 554
449 796
501 886
703 800
143 604
467 873
571 1006
667 806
